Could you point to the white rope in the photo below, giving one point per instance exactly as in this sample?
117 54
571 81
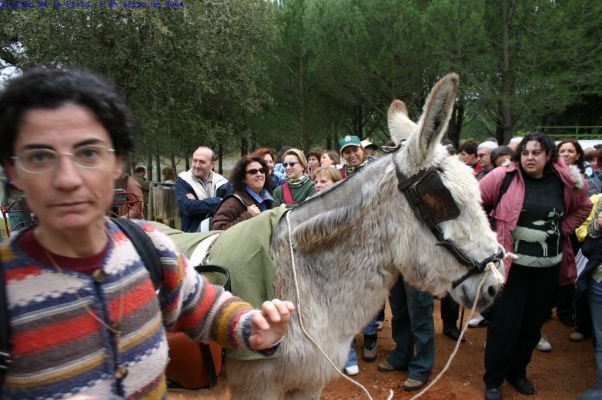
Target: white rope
490 268
299 313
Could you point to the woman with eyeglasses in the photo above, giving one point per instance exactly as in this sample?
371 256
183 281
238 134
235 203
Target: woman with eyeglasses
80 308
545 202
250 179
298 185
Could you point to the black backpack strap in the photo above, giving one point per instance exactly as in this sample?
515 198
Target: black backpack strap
209 365
145 248
205 349
5 345
504 187
201 269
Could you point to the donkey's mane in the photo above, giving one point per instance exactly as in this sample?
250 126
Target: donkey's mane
334 218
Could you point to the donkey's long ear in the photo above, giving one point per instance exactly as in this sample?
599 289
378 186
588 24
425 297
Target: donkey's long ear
436 113
400 125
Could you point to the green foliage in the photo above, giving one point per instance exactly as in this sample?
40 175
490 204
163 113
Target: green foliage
238 74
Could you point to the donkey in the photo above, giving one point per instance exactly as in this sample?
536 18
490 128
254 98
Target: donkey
351 242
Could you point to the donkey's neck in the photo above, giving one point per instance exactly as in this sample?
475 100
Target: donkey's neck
346 279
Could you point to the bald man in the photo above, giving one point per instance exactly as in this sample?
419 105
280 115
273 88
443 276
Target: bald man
199 190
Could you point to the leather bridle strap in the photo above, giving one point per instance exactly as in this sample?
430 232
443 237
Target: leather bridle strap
405 185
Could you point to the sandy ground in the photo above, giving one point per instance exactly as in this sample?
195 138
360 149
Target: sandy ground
559 375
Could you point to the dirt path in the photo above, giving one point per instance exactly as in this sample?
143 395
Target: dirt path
559 375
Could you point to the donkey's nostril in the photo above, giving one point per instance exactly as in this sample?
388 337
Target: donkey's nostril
491 291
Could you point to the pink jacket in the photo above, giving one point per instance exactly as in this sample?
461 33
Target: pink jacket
576 203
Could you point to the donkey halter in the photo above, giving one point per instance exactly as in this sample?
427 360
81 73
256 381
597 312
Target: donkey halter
433 203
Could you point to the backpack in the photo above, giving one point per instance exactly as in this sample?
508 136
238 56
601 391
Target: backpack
192 365
503 188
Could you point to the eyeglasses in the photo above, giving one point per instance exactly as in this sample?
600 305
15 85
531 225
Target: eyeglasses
289 164
39 161
254 171
482 155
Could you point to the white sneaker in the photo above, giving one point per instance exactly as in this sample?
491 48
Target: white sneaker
476 321
543 345
352 370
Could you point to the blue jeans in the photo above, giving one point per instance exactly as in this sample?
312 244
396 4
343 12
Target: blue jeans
371 327
413 331
352 357
595 303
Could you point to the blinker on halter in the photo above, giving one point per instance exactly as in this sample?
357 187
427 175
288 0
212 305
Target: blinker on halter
433 203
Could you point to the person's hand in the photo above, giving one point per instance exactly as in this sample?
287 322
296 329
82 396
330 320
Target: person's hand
190 196
269 326
254 210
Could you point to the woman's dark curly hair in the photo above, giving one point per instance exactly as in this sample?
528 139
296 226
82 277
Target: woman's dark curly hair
42 88
547 144
239 172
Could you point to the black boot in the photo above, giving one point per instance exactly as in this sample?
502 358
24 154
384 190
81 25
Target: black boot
452 332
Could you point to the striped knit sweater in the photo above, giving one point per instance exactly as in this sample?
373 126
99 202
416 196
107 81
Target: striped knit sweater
60 350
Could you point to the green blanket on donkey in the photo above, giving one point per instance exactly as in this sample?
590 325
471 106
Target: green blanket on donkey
245 250
186 242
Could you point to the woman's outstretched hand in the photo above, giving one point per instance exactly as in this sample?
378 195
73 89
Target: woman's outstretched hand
270 325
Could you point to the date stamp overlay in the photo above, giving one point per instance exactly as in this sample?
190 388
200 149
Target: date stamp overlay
66 4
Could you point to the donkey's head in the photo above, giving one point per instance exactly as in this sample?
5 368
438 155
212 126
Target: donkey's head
456 246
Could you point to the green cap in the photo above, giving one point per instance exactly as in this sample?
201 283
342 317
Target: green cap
349 140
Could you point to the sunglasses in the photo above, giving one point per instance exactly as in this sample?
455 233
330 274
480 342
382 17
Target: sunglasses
254 171
289 164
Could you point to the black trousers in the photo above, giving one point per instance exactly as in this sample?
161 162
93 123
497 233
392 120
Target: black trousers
564 303
450 310
583 318
516 320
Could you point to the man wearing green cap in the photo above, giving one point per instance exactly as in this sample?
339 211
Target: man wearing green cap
352 151
354 154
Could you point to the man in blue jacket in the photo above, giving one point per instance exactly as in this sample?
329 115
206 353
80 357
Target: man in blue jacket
199 190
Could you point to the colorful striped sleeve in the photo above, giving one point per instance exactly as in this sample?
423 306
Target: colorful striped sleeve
191 304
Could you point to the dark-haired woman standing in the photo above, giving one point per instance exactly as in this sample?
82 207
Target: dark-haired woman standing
545 203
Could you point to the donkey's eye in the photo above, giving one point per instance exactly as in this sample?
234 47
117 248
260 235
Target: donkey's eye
437 198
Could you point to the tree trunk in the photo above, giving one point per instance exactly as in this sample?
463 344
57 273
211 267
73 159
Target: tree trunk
220 156
244 146
505 109
455 123
173 164
358 121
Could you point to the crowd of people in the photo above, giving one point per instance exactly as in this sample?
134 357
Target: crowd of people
536 217
541 197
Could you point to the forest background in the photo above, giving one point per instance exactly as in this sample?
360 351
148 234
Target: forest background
241 74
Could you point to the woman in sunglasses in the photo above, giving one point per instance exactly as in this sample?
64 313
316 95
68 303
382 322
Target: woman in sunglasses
298 185
250 180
